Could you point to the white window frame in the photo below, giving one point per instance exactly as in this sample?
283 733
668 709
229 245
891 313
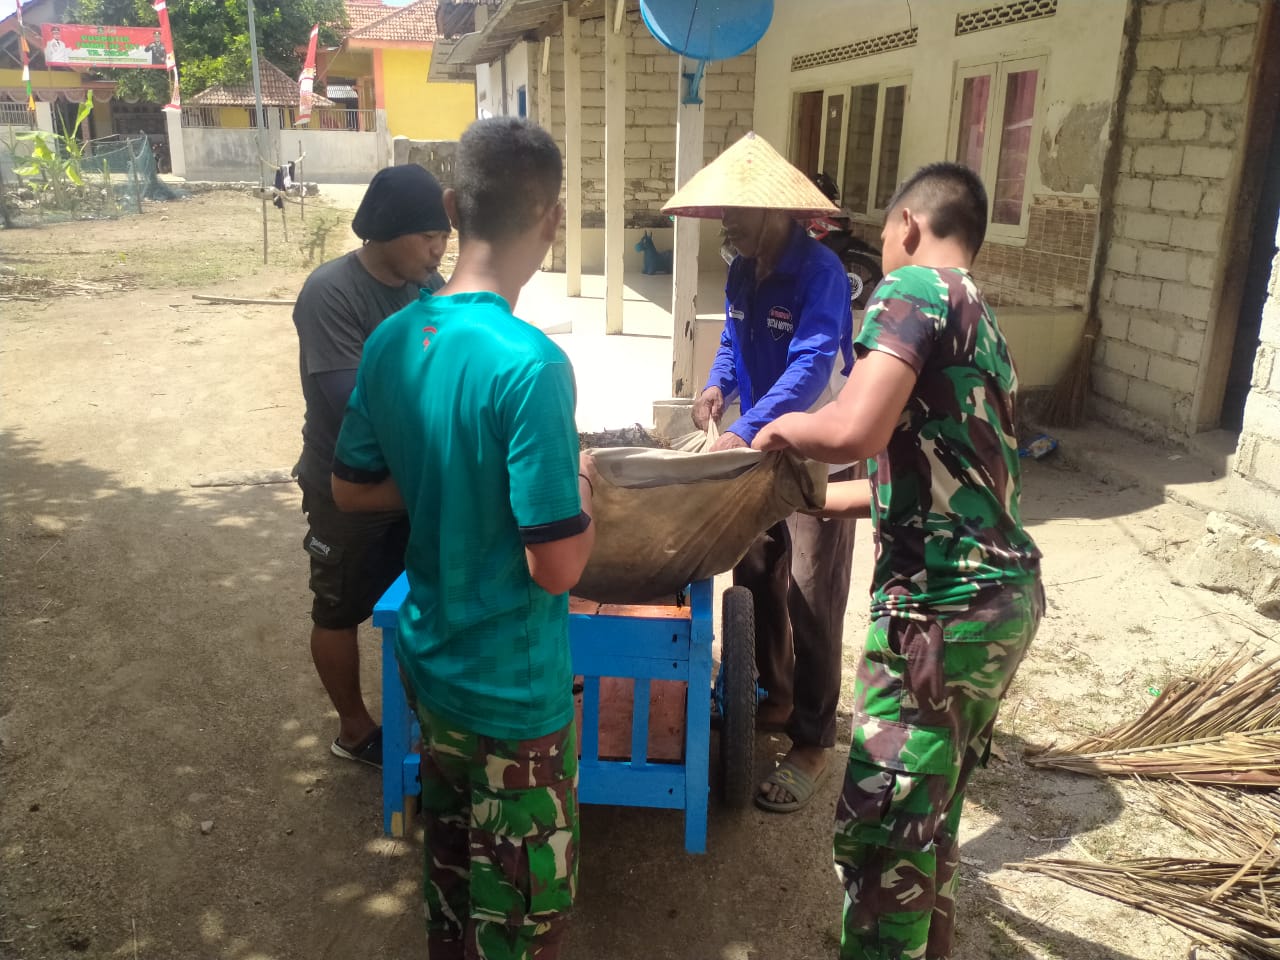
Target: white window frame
999 68
873 213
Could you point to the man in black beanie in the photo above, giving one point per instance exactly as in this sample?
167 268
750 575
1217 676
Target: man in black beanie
355 557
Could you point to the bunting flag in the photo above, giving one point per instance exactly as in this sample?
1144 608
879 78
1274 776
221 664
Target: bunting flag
307 81
175 98
26 59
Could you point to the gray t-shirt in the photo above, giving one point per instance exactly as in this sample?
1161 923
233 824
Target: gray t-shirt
339 306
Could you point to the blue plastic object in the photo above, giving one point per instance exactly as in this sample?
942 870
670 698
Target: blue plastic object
705 30
602 645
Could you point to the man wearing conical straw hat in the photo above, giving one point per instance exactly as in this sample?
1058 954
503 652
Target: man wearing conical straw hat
788 331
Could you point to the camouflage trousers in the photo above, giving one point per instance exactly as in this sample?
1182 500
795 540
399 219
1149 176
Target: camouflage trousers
925 703
501 857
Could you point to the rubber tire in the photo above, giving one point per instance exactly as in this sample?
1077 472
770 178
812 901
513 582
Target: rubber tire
868 269
738 725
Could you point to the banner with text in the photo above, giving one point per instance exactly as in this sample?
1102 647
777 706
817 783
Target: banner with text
77 45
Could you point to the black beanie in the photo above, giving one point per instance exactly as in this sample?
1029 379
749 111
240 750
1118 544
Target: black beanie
400 200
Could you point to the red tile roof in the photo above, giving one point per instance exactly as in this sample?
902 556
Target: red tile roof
361 13
414 23
278 90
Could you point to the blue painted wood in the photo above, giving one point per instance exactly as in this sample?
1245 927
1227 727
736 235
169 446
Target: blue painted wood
396 732
386 612
698 719
628 636
590 718
658 785
603 645
594 663
640 723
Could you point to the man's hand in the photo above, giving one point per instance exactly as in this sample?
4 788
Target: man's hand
773 435
728 441
709 406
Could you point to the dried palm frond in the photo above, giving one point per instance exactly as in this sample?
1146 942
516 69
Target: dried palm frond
632 436
1220 725
1235 823
1233 903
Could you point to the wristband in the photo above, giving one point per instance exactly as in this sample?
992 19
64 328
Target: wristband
590 485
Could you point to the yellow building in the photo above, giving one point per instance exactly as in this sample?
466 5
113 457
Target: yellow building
385 60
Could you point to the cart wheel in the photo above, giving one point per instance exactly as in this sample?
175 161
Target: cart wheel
738 676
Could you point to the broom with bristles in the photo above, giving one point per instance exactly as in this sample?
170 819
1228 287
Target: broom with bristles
1065 405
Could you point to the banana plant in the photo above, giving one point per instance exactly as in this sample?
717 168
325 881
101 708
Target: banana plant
57 159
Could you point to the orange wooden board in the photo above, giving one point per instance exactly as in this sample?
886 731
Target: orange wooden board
646 611
666 718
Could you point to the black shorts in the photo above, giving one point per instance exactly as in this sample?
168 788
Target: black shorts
355 557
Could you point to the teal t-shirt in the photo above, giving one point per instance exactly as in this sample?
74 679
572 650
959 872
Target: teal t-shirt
471 410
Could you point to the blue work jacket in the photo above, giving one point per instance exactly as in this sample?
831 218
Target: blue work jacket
781 339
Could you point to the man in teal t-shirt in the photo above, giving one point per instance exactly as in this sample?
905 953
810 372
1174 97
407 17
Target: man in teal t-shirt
466 415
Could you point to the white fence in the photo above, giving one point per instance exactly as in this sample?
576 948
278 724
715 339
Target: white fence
334 154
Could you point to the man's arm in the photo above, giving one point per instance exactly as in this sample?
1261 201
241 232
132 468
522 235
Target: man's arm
846 499
361 481
557 566
355 497
858 425
550 481
724 373
812 354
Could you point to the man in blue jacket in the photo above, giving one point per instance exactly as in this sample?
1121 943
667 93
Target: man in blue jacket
788 332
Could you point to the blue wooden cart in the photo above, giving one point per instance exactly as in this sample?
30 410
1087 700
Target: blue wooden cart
644 645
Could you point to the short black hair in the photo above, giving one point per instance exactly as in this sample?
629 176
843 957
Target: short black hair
953 199
507 174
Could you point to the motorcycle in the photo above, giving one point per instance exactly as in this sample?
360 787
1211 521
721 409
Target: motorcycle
861 260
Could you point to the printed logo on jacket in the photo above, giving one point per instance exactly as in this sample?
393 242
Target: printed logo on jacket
780 323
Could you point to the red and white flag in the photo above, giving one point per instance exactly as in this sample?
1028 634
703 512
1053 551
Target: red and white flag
307 81
26 59
170 64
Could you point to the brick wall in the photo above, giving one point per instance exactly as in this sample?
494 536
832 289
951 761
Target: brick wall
1052 269
1184 120
728 91
1257 458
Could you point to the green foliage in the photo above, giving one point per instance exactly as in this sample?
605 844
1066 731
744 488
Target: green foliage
56 159
211 38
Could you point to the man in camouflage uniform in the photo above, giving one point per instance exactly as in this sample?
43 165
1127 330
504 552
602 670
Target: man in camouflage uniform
464 414
956 597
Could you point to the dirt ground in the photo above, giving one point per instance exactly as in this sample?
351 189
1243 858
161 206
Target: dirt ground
154 671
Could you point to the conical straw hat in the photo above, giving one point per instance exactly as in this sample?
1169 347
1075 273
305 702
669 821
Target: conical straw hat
749 174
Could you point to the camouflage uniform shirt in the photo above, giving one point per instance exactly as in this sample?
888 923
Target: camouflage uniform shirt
946 489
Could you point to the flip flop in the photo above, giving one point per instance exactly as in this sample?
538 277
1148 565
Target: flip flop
799 784
368 750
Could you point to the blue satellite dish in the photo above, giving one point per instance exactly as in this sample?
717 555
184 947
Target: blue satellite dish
707 29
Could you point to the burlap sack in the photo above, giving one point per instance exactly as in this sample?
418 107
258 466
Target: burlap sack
665 518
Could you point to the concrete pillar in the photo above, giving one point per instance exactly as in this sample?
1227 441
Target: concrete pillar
177 148
44 116
684 273
615 139
573 154
541 68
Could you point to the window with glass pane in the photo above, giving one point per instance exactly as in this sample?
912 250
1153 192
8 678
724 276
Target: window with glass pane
859 147
973 121
1015 145
895 106
831 149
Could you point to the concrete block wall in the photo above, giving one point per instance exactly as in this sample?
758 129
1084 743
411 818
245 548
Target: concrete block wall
1184 121
728 91
1256 466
